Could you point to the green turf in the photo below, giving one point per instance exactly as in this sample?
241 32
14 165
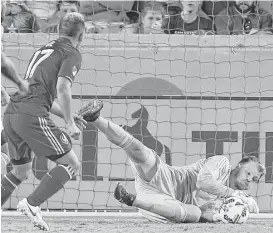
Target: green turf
130 225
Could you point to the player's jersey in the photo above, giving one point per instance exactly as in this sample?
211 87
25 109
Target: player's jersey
216 167
56 59
181 182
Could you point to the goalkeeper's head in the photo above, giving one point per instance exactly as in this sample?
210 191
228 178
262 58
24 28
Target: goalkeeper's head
248 171
72 26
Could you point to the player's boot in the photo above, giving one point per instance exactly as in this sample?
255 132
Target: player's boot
123 196
92 110
33 213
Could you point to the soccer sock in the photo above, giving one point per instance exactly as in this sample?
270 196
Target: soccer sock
51 183
114 132
8 183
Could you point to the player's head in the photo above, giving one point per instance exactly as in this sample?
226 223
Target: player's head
72 25
244 6
152 14
248 171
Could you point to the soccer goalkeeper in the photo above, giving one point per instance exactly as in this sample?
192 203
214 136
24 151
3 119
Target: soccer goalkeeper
177 194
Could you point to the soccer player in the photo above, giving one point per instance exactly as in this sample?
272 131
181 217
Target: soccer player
50 73
166 193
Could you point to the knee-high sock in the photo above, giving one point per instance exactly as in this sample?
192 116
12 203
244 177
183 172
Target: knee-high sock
114 132
8 183
50 184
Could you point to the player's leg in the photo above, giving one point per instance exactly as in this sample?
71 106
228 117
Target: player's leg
146 163
20 156
159 204
142 157
55 179
47 140
4 153
14 178
168 207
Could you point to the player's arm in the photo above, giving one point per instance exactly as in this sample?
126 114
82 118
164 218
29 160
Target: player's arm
66 76
210 211
4 96
210 217
56 110
8 69
65 99
208 178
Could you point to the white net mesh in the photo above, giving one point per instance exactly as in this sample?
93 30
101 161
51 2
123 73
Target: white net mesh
186 97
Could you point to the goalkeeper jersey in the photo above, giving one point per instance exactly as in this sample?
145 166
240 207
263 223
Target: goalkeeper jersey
213 172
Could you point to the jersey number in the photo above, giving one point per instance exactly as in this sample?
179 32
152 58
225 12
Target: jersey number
37 59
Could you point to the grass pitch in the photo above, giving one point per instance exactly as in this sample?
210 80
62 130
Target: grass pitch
101 224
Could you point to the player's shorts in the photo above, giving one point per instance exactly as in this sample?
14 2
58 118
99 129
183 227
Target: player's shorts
27 133
163 183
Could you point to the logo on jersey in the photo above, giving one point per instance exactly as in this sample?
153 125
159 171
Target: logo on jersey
74 71
63 139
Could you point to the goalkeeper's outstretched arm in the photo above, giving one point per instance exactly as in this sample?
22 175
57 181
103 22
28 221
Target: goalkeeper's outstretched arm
210 176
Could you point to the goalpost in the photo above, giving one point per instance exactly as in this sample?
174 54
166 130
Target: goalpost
186 97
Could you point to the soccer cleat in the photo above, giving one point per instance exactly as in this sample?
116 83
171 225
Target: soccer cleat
33 213
123 196
91 111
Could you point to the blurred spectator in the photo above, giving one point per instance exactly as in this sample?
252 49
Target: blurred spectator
107 11
212 8
41 8
43 11
244 17
151 17
62 8
188 21
106 17
175 7
19 18
266 5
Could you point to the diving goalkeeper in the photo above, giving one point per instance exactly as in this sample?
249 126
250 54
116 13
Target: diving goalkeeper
178 194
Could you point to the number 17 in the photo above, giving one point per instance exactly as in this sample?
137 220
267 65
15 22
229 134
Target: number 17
36 60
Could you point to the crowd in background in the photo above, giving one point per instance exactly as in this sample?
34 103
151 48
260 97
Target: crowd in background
144 17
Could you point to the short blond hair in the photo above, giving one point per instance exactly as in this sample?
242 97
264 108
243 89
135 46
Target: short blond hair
71 24
260 166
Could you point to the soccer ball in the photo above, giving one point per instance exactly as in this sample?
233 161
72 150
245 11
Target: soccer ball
233 210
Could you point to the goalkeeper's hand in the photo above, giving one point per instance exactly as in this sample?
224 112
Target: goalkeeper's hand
210 210
248 200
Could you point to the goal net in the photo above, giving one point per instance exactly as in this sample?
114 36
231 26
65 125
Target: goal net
186 97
